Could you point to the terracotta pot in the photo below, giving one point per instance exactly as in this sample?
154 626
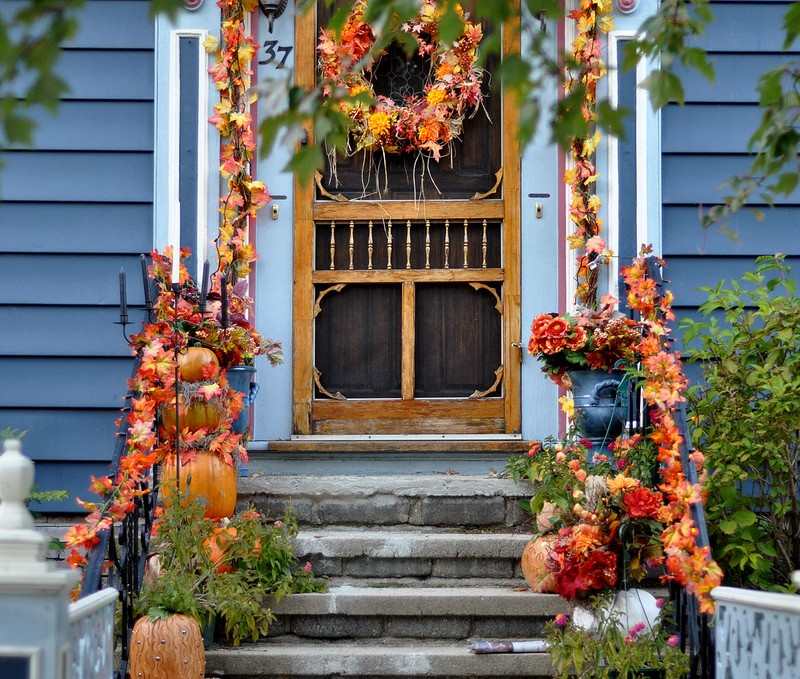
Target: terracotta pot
167 649
210 480
534 564
197 364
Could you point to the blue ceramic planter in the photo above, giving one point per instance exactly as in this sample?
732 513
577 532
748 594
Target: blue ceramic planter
601 404
242 378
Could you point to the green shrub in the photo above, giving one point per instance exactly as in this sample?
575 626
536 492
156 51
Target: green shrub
746 417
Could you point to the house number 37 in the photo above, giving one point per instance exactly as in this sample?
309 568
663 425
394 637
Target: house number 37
273 52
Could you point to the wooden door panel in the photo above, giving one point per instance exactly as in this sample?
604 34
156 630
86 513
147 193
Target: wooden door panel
458 331
357 343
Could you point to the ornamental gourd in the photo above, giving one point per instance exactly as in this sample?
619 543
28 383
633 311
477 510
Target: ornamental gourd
534 564
197 364
167 648
209 480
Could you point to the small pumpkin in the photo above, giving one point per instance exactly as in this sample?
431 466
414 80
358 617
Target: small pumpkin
210 479
167 648
217 546
534 564
200 414
197 364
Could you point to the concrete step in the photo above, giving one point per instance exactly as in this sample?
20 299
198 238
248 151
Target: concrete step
369 660
443 500
420 554
416 612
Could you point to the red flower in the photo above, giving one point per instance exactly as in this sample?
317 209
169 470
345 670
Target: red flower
642 503
557 329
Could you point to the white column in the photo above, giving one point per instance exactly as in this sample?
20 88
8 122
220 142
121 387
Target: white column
34 596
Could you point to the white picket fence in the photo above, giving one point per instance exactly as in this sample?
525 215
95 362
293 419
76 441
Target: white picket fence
757 634
91 630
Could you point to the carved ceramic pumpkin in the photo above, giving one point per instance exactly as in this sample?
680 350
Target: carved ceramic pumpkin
210 480
200 414
534 564
167 649
197 364
217 546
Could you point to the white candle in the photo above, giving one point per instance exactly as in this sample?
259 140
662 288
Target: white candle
176 266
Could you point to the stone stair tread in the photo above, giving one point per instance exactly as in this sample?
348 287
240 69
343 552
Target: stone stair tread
410 544
422 601
430 582
282 657
412 485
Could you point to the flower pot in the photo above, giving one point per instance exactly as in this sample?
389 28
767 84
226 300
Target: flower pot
242 378
601 404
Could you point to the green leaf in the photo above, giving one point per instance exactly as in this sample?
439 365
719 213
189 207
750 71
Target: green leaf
744 517
728 527
306 161
791 24
696 58
663 87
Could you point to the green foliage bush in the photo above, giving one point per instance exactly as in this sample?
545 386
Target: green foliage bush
746 417
237 584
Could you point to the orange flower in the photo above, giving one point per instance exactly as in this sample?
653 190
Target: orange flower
621 484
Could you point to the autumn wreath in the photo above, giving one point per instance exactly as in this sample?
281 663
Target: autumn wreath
427 122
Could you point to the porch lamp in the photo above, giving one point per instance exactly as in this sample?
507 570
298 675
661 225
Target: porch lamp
272 9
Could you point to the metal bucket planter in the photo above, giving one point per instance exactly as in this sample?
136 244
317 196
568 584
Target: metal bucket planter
242 378
601 404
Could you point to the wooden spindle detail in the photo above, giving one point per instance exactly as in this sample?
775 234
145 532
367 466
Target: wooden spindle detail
369 246
351 246
466 244
427 243
408 244
446 243
389 245
333 246
484 245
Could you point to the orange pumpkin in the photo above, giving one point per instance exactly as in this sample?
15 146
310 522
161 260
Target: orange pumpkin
217 546
200 414
171 648
534 564
197 364
210 480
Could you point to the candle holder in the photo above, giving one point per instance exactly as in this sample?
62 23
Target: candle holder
176 290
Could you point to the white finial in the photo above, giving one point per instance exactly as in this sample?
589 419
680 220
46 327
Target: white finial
16 482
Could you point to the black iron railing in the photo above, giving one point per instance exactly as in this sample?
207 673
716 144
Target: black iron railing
118 560
694 627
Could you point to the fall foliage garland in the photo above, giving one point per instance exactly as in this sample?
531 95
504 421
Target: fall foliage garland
153 382
591 20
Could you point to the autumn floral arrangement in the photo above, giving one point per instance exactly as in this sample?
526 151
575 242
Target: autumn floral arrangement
425 123
206 406
605 519
601 339
592 19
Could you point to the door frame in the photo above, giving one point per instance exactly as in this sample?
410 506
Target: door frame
307 211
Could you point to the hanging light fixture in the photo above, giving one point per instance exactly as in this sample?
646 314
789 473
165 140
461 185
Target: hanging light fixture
272 9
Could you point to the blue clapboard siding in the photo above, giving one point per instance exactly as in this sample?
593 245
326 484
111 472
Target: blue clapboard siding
39 227
706 141
76 207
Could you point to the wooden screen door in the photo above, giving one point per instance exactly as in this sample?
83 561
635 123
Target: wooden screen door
407 309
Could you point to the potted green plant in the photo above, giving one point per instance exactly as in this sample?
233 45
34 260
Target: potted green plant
224 573
610 650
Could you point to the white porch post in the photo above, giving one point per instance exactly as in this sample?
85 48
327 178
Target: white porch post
34 596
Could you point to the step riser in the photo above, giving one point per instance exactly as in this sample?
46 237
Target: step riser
393 510
407 627
372 567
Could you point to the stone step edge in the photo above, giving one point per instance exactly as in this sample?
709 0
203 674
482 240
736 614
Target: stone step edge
411 544
432 582
422 485
423 601
328 659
